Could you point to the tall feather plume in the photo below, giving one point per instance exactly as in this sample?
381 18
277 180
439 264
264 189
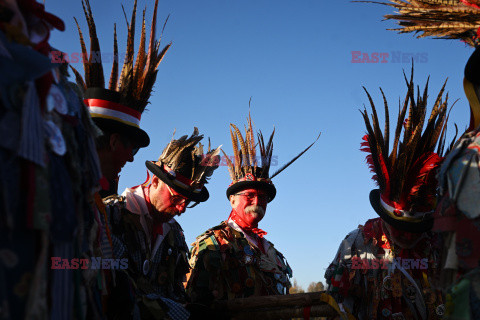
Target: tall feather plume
124 82
268 152
236 154
245 158
95 60
387 122
231 167
114 74
409 176
86 64
78 78
446 19
285 166
243 147
140 62
251 147
137 76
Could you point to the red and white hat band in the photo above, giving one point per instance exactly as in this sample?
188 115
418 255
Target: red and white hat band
105 109
181 181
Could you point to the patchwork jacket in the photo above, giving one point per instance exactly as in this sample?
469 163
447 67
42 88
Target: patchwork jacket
457 218
156 268
227 263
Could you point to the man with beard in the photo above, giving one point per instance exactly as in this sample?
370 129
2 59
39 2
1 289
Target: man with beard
145 232
233 259
385 269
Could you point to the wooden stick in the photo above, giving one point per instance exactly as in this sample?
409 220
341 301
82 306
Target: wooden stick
290 300
285 313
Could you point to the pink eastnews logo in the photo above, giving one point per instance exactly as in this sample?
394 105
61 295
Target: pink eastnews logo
389 57
92 263
367 264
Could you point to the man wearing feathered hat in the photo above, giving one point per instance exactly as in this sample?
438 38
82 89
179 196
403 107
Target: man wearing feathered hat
384 269
117 108
145 232
457 216
233 259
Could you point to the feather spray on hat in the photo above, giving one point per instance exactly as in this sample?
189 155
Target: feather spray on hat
406 174
447 19
246 170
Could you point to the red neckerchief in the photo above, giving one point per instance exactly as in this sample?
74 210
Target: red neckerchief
104 183
157 227
245 227
373 231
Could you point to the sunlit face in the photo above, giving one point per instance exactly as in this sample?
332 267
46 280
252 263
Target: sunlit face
165 200
250 205
403 239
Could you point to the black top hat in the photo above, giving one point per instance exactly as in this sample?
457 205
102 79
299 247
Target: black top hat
119 106
252 182
471 85
110 113
415 225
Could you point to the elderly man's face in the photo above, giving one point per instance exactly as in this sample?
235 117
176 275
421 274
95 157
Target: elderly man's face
165 200
250 205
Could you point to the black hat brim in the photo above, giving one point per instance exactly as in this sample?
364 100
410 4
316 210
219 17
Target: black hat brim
201 196
137 135
242 185
423 225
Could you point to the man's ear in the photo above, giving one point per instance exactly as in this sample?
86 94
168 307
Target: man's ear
155 181
232 201
114 141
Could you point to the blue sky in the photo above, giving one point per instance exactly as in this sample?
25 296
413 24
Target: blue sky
294 58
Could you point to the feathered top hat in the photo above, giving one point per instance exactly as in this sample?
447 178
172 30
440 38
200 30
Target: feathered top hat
448 19
119 107
245 170
406 175
184 167
471 85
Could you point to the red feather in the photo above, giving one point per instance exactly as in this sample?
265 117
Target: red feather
365 147
422 174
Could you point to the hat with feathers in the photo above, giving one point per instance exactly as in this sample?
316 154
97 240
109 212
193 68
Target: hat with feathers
471 85
184 167
446 19
406 175
245 169
119 106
